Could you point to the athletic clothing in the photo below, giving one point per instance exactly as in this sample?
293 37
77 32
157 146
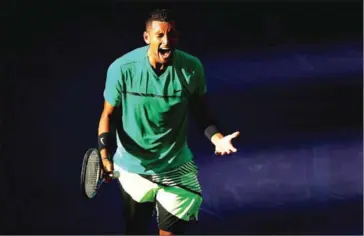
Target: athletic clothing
174 206
153 137
156 166
138 217
184 176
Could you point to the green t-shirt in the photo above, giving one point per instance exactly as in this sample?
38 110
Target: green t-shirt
152 136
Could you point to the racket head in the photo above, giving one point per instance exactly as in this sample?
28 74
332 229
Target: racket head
91 173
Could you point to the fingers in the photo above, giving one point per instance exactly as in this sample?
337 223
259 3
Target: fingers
108 177
228 151
225 147
235 134
222 153
108 169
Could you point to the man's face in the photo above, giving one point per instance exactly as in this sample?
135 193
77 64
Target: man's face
162 38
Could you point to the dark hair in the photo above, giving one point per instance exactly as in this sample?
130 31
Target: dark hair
163 15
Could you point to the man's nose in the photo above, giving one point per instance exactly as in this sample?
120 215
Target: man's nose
165 40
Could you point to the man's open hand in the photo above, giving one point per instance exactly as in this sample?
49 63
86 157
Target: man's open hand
223 145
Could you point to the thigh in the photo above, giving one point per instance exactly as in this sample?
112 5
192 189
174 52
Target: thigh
176 208
138 201
139 189
137 215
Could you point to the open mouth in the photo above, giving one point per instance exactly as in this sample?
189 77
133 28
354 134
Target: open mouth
165 52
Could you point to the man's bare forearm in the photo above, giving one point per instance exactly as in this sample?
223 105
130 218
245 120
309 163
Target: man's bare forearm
104 127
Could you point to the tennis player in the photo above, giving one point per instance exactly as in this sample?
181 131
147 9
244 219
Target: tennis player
155 87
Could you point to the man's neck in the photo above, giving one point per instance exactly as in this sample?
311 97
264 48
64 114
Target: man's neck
159 68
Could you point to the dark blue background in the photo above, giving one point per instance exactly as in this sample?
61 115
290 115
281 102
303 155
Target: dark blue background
287 75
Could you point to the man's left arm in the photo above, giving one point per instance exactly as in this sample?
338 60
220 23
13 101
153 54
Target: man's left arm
202 114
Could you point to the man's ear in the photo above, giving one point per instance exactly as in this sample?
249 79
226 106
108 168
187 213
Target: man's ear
146 37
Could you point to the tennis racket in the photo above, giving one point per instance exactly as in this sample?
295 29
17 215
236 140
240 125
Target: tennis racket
93 174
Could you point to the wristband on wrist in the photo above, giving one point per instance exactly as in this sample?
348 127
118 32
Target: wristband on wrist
103 141
211 131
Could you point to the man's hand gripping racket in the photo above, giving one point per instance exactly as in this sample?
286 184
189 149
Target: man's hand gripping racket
95 172
108 169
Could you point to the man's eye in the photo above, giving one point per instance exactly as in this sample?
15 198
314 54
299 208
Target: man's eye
160 35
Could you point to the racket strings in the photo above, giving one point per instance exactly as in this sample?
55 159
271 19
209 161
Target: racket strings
92 175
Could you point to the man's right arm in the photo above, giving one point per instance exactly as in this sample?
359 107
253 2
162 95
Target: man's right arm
112 99
104 129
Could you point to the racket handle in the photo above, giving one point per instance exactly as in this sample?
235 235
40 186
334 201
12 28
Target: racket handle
115 174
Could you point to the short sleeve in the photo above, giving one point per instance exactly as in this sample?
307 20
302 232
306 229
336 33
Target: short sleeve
201 87
112 92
